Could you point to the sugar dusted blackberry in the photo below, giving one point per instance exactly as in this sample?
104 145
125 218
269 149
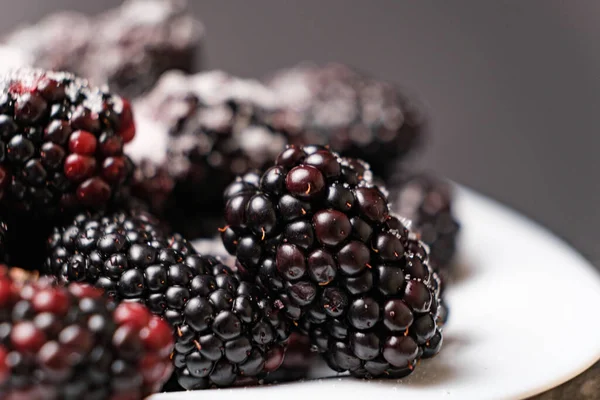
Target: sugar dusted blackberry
58 42
318 234
226 330
61 143
355 114
72 343
136 42
213 133
427 201
128 47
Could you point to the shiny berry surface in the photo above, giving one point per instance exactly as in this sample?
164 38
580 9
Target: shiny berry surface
226 331
356 281
59 136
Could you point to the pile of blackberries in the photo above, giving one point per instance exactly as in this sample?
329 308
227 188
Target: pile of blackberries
336 247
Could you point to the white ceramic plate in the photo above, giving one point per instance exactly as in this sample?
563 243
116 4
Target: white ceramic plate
524 318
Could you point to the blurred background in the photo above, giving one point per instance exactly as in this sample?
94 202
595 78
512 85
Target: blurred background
513 87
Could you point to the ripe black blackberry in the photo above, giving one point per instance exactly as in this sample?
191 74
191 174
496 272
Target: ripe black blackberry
128 255
210 126
427 201
61 143
230 334
225 330
72 343
355 114
128 47
316 233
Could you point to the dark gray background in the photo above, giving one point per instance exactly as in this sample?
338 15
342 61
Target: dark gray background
513 86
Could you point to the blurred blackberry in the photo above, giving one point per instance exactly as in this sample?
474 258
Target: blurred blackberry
355 114
128 47
209 125
136 42
225 330
61 143
427 201
58 42
317 233
71 343
153 184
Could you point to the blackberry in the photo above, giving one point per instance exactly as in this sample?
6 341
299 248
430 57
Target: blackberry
318 235
138 41
427 201
128 47
72 343
210 126
230 334
58 42
355 114
128 254
153 184
225 329
61 143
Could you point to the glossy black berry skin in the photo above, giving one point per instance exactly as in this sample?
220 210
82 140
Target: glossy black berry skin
62 143
128 254
355 114
355 280
226 331
427 201
230 333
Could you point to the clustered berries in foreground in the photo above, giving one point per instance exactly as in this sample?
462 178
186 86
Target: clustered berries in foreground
225 330
320 263
318 234
73 343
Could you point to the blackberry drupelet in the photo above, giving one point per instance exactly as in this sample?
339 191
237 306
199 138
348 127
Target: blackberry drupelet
72 343
61 143
225 329
427 201
210 126
318 234
355 114
128 47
